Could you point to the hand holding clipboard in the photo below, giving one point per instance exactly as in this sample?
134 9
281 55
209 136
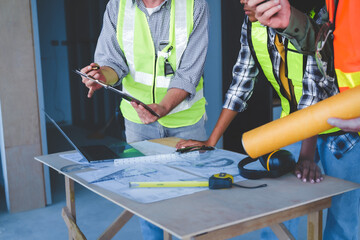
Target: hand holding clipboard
124 95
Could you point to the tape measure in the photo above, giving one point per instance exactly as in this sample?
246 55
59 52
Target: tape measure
224 180
216 181
221 180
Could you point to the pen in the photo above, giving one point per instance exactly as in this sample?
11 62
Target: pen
194 148
169 184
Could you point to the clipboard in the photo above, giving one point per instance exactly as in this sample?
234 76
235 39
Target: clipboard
124 95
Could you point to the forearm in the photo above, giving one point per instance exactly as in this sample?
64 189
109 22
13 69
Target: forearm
222 124
308 148
173 97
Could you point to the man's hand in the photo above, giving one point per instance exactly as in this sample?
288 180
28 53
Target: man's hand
272 13
105 74
350 125
145 116
92 70
190 143
308 171
306 168
173 97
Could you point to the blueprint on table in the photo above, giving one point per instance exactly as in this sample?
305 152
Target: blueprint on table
116 179
193 166
146 147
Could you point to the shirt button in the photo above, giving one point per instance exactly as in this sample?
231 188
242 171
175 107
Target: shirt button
296 30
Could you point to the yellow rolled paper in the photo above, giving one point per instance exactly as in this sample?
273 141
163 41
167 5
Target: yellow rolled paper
301 124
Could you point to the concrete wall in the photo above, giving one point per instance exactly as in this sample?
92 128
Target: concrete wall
21 141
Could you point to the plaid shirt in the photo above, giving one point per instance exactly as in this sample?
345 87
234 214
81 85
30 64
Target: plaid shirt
315 87
318 88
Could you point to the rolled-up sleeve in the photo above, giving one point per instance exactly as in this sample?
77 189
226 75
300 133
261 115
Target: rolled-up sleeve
302 30
191 67
108 52
316 87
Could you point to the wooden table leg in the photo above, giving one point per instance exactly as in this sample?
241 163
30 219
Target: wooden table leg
70 196
314 228
74 231
116 225
282 232
167 236
69 213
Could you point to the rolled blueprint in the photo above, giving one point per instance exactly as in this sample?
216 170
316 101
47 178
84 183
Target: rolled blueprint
301 124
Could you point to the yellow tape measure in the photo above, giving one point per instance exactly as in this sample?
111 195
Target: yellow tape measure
224 180
221 180
216 181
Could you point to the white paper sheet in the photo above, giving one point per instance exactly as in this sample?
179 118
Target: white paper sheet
193 166
116 179
151 148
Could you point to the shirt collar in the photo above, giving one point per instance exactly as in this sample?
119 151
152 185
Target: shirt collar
166 3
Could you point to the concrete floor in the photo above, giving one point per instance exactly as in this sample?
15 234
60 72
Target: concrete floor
94 214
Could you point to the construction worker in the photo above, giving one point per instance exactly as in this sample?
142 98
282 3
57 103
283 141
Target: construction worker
339 153
264 50
156 50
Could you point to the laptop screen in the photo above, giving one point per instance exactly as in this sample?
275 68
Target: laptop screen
94 150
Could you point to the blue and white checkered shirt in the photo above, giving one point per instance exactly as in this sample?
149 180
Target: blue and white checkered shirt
315 86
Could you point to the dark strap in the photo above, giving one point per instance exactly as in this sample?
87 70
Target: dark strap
336 6
258 186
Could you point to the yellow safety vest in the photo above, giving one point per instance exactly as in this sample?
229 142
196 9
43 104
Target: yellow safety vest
293 71
146 79
294 67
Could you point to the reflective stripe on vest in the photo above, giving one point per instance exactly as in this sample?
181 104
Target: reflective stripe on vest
294 64
146 79
347 80
258 39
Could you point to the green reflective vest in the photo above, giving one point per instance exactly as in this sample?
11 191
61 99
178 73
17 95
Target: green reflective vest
146 79
295 64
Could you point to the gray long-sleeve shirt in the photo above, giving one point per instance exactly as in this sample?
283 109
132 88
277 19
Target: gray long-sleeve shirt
191 67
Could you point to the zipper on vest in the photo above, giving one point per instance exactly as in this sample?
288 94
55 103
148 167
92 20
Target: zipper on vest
278 80
283 93
282 89
257 63
292 101
154 80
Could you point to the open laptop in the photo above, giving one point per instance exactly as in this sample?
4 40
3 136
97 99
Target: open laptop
99 153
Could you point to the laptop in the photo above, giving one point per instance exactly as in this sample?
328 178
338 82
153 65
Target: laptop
99 153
